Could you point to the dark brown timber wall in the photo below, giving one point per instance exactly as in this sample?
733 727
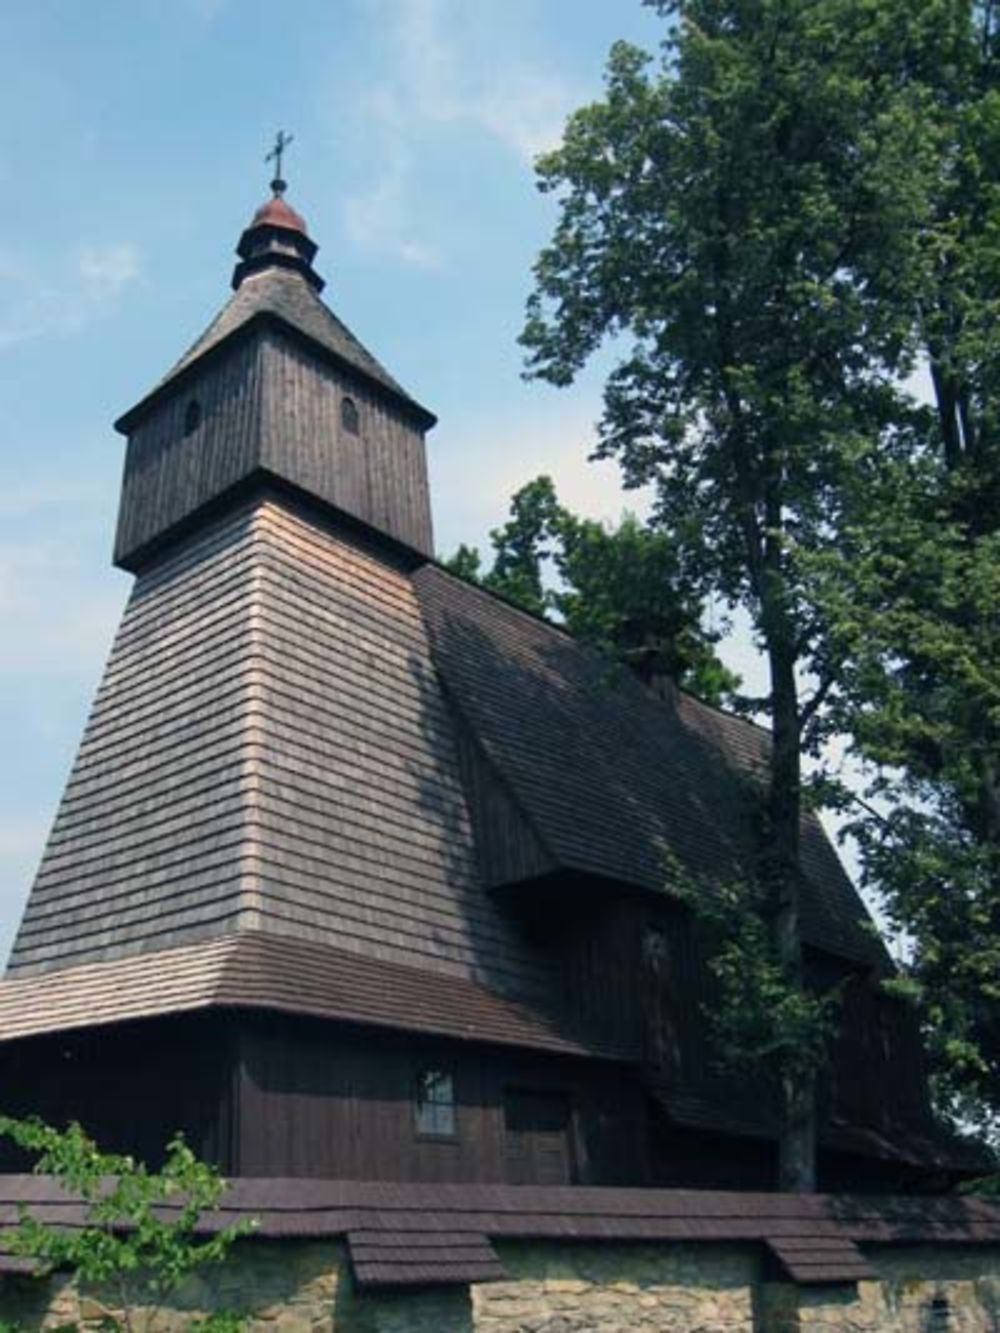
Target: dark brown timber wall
312 1103
266 403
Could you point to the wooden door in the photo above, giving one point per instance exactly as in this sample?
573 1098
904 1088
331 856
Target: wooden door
537 1144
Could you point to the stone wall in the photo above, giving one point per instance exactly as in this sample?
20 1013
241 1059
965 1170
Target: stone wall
922 1289
305 1287
557 1288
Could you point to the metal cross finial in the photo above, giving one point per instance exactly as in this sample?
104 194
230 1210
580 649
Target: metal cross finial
281 142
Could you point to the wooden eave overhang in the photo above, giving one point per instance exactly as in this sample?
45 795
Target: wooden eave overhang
252 970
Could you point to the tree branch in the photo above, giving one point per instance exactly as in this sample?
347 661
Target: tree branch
822 692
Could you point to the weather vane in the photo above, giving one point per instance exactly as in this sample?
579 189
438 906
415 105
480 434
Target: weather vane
281 142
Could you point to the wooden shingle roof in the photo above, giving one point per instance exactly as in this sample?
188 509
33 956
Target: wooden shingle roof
281 295
614 783
269 750
272 753
256 971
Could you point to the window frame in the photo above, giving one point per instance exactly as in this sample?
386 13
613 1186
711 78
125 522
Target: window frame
194 415
447 1103
350 415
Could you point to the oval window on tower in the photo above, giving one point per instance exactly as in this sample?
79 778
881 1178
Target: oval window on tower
192 416
349 415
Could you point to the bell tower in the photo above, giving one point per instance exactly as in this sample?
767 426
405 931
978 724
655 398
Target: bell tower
276 389
273 504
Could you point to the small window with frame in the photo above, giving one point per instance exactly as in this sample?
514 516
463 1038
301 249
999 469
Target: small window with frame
656 948
434 1105
192 417
349 416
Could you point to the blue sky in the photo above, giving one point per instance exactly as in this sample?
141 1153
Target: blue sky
130 159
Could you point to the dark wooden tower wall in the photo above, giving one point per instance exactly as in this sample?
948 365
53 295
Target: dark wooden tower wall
265 404
377 473
193 446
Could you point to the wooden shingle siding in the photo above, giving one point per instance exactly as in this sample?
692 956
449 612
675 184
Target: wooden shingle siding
359 812
149 845
269 747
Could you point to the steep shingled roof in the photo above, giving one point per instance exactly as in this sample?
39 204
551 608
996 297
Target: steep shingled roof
269 750
614 783
283 295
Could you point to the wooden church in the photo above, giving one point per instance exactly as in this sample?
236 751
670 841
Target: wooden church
362 873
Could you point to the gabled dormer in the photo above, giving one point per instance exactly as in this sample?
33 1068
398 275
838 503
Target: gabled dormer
276 388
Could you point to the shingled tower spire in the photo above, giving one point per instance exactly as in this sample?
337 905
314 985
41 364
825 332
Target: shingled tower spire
276 386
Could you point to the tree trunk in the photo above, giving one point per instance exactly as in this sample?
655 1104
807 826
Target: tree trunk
781 866
797 1142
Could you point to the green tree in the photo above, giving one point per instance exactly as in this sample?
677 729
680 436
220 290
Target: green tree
917 613
139 1240
912 596
618 588
721 219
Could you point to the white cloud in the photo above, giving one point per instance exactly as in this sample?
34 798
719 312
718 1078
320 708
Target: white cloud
376 218
553 439
73 293
23 499
442 78
106 269
56 619
447 72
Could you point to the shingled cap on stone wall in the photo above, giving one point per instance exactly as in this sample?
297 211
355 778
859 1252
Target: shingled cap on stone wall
403 1235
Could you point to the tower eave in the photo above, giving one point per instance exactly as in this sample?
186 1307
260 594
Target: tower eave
128 421
263 484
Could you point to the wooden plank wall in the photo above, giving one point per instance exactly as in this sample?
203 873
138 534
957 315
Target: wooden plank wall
266 402
319 1103
169 474
379 475
132 1087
